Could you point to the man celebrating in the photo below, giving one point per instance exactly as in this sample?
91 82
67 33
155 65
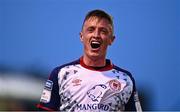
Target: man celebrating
91 83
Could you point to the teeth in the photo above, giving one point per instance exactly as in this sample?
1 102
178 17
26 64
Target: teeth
95 42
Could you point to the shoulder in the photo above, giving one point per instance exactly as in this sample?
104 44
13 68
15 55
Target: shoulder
122 70
55 71
126 72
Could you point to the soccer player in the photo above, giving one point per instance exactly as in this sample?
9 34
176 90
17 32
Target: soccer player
91 83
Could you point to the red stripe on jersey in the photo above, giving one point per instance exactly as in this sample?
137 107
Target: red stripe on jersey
108 66
44 108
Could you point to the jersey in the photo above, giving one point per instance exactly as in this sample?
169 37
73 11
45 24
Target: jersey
78 87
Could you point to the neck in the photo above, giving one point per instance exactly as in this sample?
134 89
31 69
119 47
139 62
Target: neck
94 61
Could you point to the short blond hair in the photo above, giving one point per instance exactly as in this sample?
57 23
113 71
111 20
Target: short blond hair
99 14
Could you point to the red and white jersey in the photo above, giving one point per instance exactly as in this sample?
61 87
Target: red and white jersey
77 87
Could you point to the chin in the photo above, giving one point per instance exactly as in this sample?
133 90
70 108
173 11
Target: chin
95 55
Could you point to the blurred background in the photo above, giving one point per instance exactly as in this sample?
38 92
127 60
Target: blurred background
39 35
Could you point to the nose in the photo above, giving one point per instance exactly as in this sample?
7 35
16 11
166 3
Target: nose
96 33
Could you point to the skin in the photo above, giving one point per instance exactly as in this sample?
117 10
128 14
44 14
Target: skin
96 29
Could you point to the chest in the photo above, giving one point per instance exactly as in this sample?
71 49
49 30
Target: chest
82 89
80 83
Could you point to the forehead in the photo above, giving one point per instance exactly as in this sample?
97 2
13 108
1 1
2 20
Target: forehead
95 21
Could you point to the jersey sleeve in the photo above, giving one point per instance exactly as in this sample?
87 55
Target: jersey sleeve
130 106
50 99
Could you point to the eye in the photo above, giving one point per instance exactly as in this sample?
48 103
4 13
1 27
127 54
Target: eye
104 31
90 29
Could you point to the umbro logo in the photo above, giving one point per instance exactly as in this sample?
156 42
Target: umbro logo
76 82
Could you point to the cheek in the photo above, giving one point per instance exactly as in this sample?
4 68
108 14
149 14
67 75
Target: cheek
106 41
85 42
86 38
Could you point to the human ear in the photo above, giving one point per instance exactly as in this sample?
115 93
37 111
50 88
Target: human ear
81 36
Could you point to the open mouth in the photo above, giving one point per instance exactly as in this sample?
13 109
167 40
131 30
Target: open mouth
95 44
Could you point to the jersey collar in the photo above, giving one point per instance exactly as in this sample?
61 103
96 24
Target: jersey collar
107 67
